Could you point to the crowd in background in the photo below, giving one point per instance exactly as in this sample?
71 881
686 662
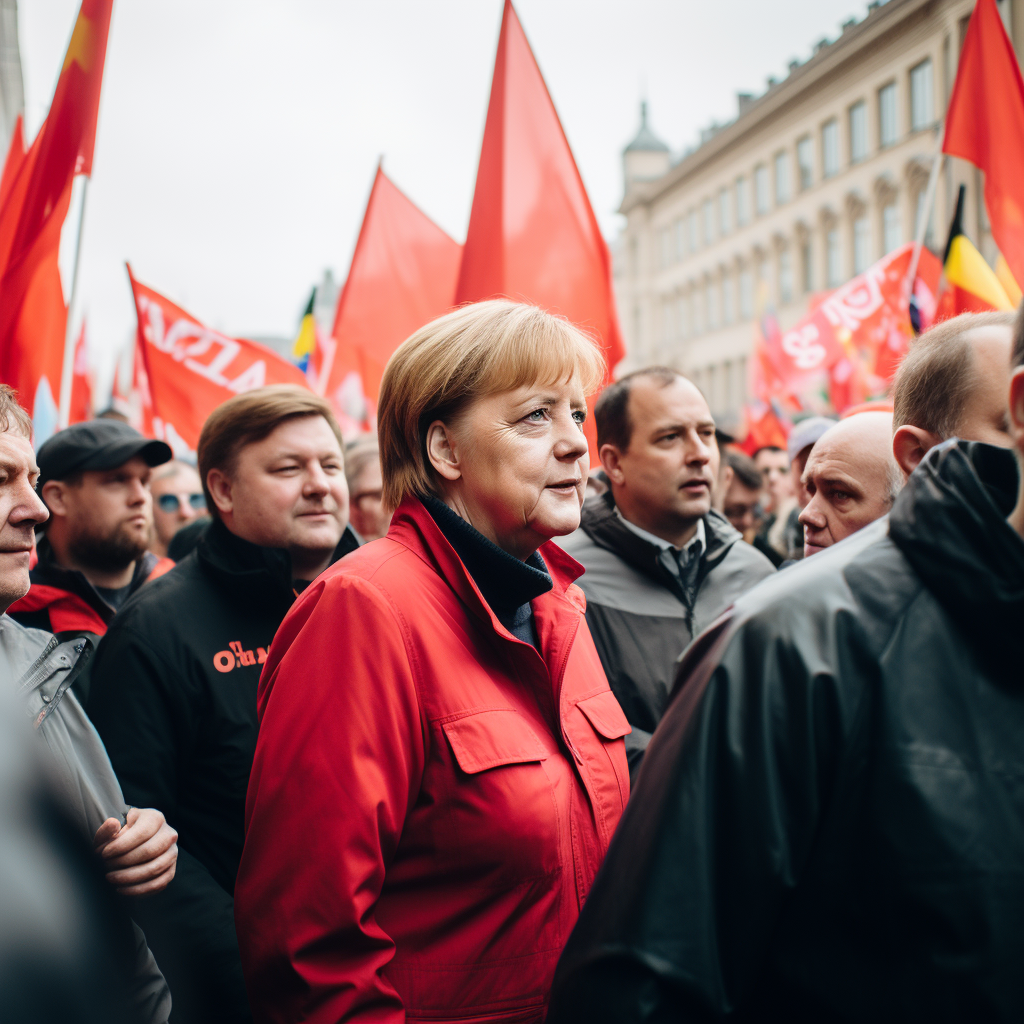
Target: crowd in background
351 727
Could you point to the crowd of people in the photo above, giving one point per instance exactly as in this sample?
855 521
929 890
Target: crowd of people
440 725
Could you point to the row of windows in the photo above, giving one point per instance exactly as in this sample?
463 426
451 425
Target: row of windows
729 297
731 208
724 384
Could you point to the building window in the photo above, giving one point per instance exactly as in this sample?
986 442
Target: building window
762 197
833 259
929 239
887 130
713 309
742 202
746 294
858 132
892 232
805 162
781 178
683 316
785 276
861 244
830 148
697 310
807 267
728 299
709 221
691 219
679 231
921 96
724 220
666 321
665 247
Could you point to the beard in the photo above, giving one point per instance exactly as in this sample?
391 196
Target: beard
110 552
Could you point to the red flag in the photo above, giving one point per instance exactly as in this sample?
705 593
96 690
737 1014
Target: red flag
854 340
12 164
985 125
765 428
81 382
403 275
192 369
533 236
33 316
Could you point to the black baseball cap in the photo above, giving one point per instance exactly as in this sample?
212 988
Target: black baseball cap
97 444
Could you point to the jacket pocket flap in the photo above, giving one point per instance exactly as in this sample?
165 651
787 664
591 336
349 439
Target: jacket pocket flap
490 738
605 715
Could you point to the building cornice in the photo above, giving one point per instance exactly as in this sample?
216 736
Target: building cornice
824 64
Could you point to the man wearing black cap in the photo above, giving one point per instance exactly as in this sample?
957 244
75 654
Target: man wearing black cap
94 479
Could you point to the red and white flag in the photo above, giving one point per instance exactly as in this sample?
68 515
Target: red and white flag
189 369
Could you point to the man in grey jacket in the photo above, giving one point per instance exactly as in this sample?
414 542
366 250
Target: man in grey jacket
137 846
660 563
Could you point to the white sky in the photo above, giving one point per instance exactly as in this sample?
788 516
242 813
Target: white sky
238 138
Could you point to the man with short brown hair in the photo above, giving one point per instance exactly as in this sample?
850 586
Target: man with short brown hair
174 691
953 383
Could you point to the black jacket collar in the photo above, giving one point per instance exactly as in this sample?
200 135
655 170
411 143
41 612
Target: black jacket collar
950 523
506 582
50 573
608 531
248 569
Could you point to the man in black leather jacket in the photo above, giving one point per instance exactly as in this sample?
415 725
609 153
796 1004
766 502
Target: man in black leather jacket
829 822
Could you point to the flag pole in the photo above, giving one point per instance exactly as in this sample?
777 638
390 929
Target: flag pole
929 203
68 365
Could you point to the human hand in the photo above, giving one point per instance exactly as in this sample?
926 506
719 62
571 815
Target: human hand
141 856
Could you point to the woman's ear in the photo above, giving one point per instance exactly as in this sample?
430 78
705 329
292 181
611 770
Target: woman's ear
911 444
441 452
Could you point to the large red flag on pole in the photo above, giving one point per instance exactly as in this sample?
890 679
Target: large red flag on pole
192 369
403 275
533 236
985 125
33 316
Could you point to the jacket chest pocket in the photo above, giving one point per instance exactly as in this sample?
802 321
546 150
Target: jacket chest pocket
504 790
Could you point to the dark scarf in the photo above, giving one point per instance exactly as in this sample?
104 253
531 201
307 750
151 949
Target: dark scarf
508 584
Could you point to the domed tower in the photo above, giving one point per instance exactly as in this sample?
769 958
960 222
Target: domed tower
646 157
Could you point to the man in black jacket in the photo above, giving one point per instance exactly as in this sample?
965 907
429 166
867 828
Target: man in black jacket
830 820
174 691
661 563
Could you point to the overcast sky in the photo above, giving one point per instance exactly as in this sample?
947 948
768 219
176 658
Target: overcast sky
238 138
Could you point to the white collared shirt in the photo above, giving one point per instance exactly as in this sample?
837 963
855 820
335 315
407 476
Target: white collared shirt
699 536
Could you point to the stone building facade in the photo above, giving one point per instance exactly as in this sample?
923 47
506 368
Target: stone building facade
811 183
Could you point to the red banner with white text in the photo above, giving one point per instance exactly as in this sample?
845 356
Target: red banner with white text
191 369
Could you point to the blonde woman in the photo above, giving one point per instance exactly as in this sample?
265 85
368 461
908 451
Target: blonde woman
440 764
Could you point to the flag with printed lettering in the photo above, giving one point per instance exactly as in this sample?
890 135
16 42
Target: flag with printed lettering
190 369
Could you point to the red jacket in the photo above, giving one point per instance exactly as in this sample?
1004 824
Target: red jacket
430 798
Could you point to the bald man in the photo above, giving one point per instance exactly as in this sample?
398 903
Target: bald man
852 479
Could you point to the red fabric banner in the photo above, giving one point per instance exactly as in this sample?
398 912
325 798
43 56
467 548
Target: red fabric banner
985 125
191 369
533 236
853 341
403 275
81 382
35 202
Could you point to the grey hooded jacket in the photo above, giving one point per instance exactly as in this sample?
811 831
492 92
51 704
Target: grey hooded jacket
643 616
42 669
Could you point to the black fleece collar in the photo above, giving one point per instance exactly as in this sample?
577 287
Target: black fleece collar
49 572
506 582
242 565
950 523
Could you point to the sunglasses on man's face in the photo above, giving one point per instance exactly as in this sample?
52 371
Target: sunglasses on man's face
172 502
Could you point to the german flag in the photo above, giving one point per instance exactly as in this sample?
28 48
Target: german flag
971 284
305 343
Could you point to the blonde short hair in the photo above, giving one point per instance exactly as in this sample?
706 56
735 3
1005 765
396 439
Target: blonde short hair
474 351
